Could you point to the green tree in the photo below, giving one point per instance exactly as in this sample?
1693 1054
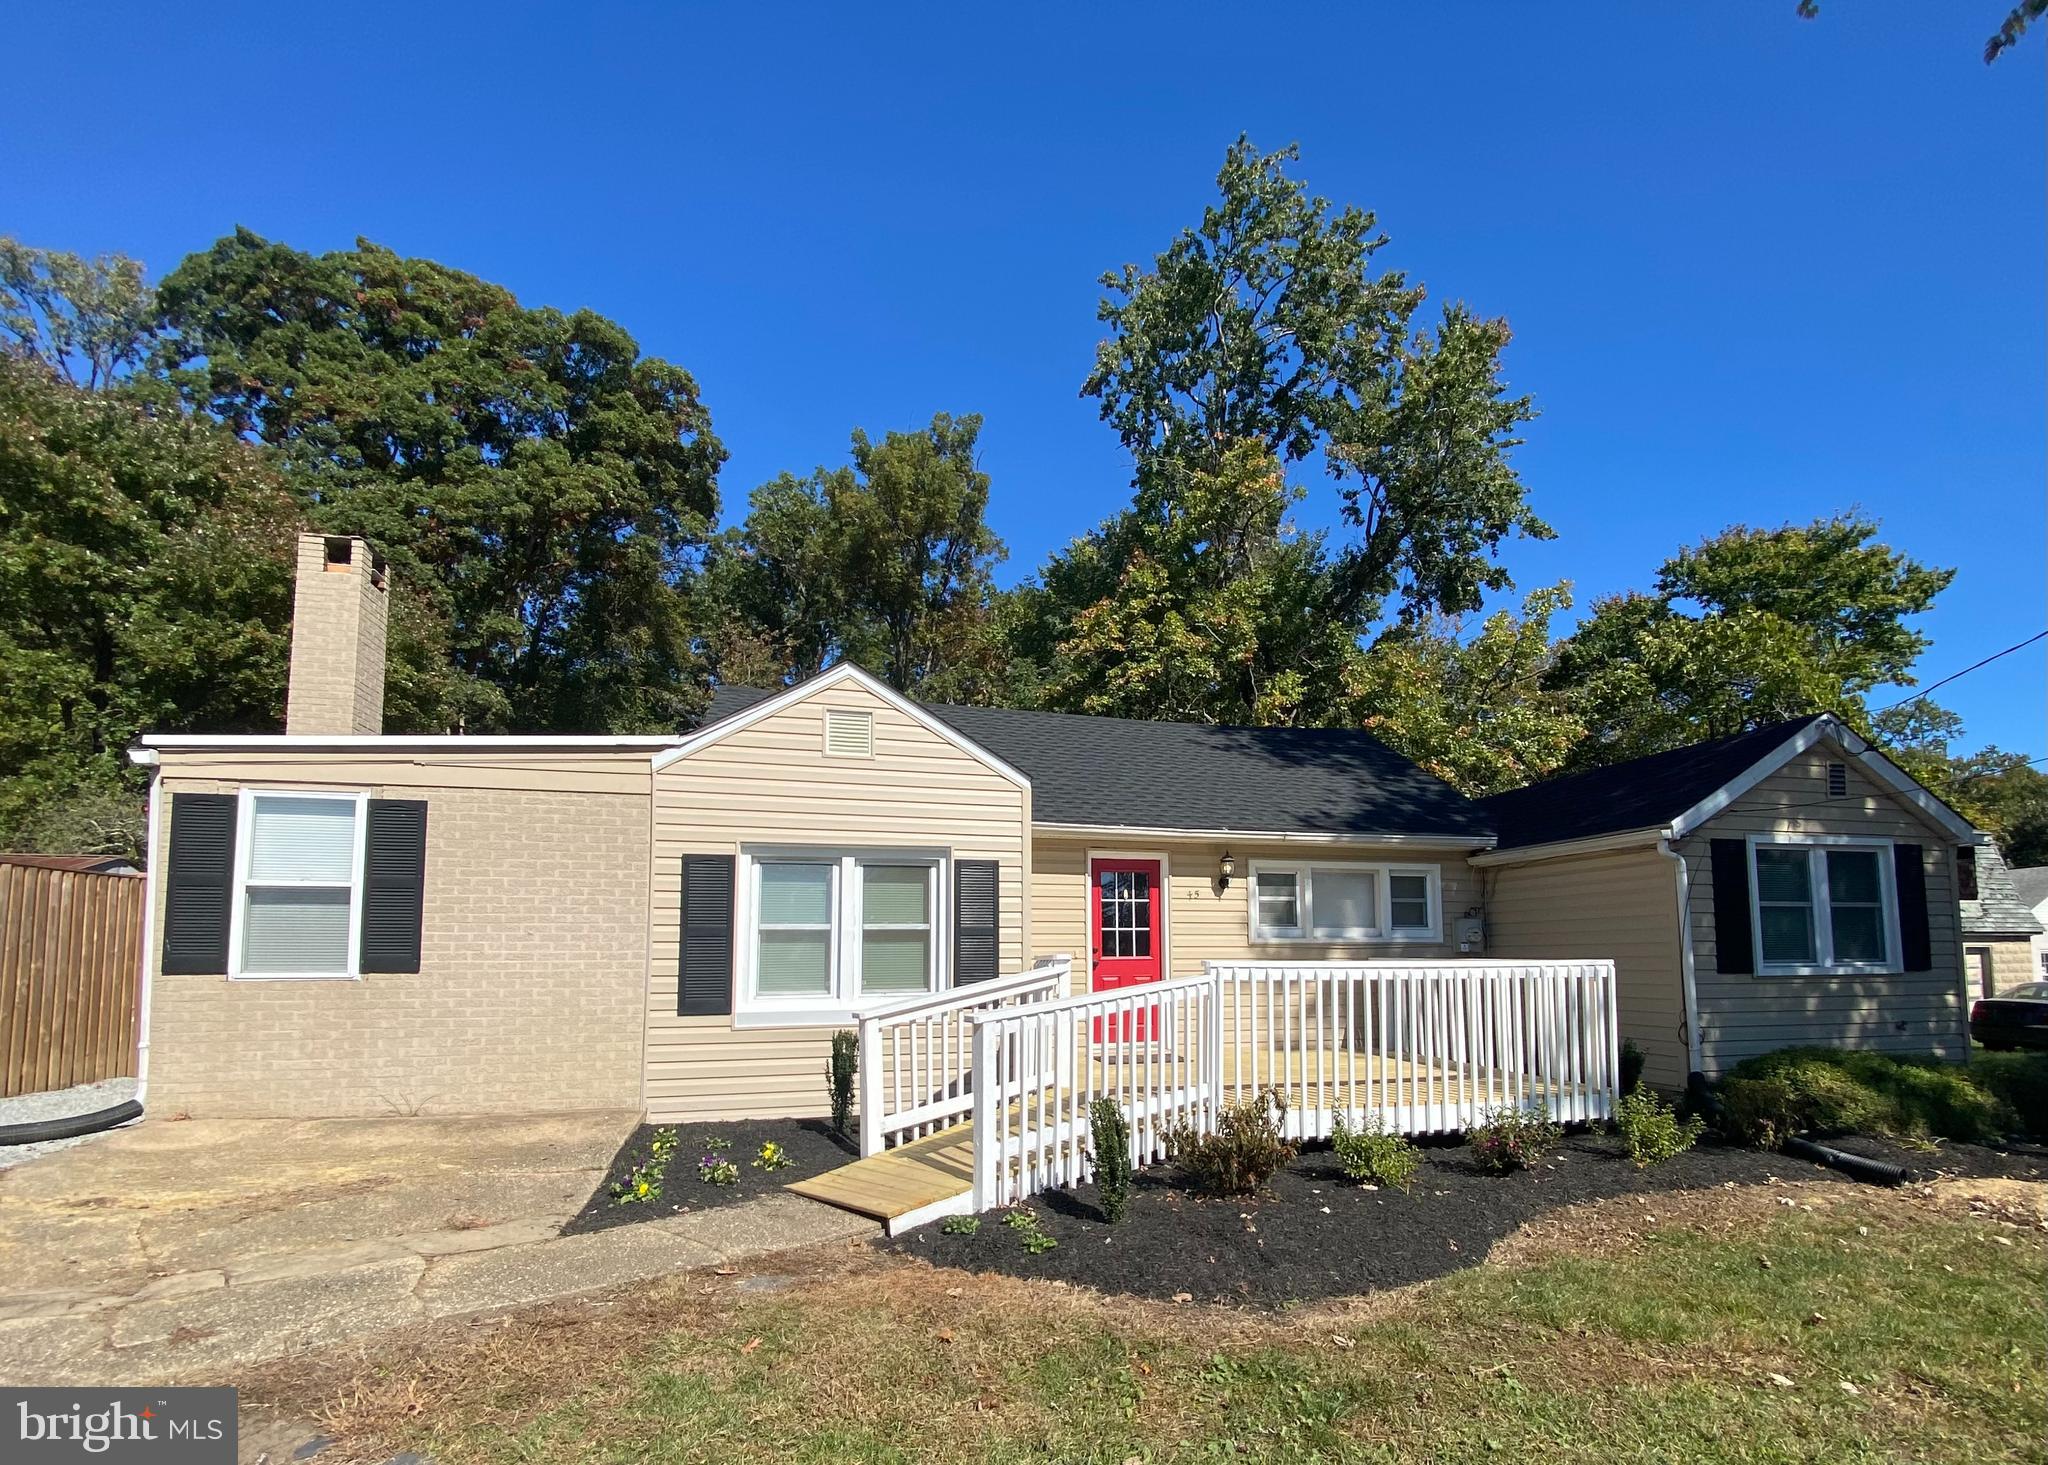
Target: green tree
886 562
1472 710
88 321
1214 609
1750 627
1266 324
145 584
545 485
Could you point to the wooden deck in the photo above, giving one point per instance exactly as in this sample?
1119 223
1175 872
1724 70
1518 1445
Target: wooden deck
906 1186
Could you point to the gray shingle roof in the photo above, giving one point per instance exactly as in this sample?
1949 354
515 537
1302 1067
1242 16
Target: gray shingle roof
2030 884
1999 909
1113 772
1639 794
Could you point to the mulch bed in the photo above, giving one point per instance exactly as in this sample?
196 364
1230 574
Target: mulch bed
1315 1235
810 1144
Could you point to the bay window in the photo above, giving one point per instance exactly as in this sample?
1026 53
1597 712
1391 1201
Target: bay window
1821 906
828 932
1344 902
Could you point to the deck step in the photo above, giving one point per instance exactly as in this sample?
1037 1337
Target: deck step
904 1187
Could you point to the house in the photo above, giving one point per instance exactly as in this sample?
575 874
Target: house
343 922
2000 929
1789 884
2030 890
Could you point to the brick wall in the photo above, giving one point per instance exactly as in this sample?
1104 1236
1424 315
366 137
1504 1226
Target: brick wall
340 612
529 995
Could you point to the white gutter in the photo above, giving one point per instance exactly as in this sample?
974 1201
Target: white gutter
383 743
1435 841
1693 1061
149 889
1591 845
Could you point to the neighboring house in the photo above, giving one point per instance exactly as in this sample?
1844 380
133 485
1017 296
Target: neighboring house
2030 889
2000 930
85 864
1785 885
347 923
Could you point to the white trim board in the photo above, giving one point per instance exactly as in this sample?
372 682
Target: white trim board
845 671
396 743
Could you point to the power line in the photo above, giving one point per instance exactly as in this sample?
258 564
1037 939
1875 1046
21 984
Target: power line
2016 646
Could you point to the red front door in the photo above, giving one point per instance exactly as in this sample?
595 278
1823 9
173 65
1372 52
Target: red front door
1124 926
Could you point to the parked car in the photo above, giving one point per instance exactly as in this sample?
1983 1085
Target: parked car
2014 1019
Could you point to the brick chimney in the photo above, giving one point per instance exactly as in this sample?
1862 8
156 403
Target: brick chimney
339 612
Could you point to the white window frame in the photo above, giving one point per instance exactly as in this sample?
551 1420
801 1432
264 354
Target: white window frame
1825 964
245 813
844 1001
1383 932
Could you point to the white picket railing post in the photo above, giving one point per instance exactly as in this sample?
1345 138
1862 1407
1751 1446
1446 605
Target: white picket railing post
870 1087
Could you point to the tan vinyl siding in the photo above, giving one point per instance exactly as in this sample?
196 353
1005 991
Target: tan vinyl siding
1204 923
773 783
1741 1016
533 954
1621 905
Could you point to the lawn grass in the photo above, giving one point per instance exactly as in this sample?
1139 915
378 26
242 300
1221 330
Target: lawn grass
1723 1326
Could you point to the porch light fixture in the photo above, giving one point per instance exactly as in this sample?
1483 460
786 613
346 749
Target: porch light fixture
1225 868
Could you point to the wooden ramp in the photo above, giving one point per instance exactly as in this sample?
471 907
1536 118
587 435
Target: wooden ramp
904 1187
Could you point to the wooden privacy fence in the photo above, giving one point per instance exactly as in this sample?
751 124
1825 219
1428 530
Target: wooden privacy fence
70 973
1426 1047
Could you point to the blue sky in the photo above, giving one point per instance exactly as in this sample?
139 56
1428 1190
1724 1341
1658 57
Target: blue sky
1758 269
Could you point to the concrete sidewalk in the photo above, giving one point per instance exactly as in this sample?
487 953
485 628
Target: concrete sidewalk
184 1249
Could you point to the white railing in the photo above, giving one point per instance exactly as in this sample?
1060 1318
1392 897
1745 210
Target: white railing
1429 1047
1039 1070
916 1056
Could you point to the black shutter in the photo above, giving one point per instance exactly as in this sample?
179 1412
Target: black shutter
977 918
1734 951
394 884
1966 872
199 884
1916 943
704 972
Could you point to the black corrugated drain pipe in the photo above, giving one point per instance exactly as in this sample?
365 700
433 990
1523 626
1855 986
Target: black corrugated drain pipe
71 1126
1856 1167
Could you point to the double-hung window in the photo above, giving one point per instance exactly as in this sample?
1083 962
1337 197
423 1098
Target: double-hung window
1330 902
829 932
298 887
1823 906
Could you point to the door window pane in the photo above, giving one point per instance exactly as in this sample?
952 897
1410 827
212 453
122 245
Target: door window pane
1344 902
293 930
302 839
1126 897
1409 897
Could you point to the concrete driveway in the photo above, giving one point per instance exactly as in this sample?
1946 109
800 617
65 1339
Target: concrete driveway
178 1249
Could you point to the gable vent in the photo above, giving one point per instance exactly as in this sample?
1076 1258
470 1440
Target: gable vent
1838 780
849 734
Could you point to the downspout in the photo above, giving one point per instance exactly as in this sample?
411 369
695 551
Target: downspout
152 868
1693 1061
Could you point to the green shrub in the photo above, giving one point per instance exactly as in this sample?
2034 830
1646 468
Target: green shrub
1372 1156
1246 1150
961 1225
1831 1091
2020 1081
1514 1139
1037 1240
1631 1066
1762 1112
1109 1137
1652 1129
839 1075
